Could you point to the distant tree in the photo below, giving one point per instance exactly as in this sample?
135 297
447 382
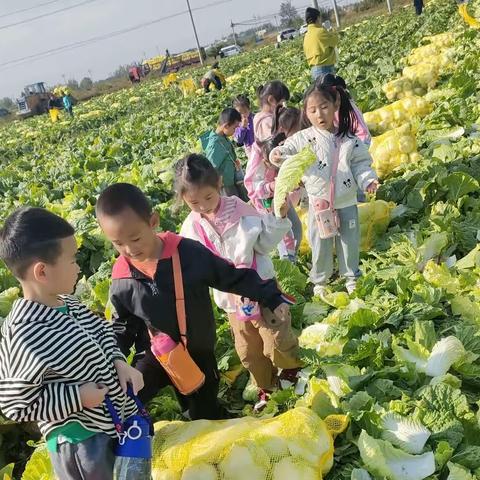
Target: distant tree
86 83
121 71
288 14
7 103
72 84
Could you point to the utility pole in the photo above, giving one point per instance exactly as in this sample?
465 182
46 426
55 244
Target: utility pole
195 33
233 32
315 4
335 10
389 6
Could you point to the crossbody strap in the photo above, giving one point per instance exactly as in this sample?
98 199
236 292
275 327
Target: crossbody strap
200 231
333 173
179 297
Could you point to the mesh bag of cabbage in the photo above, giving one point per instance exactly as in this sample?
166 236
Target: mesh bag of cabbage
297 445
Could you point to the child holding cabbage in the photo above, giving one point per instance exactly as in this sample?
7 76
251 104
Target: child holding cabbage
332 164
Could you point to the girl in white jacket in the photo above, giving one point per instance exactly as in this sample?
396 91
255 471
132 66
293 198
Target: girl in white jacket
236 231
331 145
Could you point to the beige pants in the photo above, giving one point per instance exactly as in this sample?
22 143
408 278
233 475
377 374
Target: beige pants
263 349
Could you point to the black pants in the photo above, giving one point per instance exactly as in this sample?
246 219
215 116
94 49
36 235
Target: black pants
418 6
216 81
202 404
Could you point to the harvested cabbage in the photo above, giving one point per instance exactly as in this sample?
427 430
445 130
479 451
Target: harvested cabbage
202 471
382 459
408 434
288 469
290 175
239 464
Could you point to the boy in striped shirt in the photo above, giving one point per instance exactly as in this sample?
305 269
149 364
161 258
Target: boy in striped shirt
58 360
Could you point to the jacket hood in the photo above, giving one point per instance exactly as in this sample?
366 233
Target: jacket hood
122 267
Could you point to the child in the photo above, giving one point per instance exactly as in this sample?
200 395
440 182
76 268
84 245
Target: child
354 170
221 154
143 293
261 175
237 232
270 96
244 134
360 128
57 359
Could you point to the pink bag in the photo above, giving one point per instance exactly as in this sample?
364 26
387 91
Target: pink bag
325 214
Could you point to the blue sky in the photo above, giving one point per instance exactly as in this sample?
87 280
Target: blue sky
91 18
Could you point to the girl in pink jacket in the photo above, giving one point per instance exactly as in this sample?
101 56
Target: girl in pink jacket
237 232
261 176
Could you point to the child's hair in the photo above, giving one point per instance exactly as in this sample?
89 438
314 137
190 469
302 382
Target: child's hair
347 120
332 80
229 116
278 90
194 170
32 234
120 196
270 143
241 101
285 119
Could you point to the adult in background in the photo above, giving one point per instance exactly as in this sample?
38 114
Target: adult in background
215 76
319 44
418 4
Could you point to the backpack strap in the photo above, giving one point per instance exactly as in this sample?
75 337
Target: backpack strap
179 297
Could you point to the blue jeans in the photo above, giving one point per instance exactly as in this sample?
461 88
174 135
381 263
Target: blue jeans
322 70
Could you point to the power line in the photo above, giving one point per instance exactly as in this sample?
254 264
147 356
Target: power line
43 15
74 45
22 10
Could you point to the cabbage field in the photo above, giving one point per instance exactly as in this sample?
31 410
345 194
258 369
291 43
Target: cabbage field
401 356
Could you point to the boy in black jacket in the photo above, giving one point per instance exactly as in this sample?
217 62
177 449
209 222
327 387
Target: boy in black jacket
142 291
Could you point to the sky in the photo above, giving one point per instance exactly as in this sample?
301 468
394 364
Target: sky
64 22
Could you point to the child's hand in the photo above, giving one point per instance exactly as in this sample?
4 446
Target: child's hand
92 394
284 209
372 188
244 122
282 312
127 374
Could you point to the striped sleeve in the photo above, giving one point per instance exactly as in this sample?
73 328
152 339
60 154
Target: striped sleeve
24 397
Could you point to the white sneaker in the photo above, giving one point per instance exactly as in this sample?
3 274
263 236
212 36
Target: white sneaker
351 286
319 290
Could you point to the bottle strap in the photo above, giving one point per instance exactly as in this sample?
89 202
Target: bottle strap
179 297
333 174
117 421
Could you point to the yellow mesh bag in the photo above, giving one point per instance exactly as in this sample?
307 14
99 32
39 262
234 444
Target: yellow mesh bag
170 79
188 87
336 424
297 445
374 218
394 148
397 114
